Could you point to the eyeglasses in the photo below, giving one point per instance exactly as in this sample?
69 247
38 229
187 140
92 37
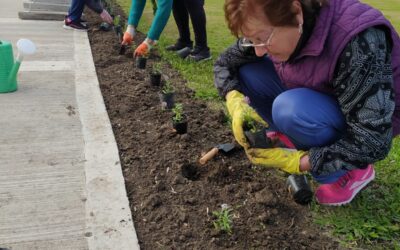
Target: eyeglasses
245 42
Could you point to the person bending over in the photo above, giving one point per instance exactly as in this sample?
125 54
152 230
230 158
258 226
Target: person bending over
73 20
157 26
325 77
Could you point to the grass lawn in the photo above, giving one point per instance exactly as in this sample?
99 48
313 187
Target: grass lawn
372 220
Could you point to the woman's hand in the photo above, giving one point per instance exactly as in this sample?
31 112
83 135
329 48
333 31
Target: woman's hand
239 109
144 48
305 163
288 160
106 16
128 35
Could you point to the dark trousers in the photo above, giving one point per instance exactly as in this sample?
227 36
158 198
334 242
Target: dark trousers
182 9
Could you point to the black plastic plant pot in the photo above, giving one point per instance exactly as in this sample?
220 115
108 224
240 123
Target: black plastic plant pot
258 139
167 100
180 127
300 189
155 79
118 30
120 36
141 62
122 49
105 26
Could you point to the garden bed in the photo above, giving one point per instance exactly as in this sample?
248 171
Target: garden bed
172 197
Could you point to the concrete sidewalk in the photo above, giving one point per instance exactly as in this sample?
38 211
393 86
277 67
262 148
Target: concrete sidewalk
61 185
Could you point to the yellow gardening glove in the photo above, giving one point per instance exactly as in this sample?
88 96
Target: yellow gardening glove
239 109
285 159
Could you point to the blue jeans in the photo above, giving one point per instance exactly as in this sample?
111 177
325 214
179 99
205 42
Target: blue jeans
307 117
76 9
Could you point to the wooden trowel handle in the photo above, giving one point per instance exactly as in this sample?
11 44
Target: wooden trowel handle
210 154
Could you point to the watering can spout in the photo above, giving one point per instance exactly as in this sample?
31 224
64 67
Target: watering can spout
12 77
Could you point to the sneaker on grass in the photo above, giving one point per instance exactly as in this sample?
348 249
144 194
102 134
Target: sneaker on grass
200 54
74 25
178 46
345 188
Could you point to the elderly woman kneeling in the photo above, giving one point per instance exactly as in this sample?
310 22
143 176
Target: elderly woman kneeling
325 77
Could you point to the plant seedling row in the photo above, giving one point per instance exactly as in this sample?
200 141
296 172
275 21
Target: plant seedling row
171 196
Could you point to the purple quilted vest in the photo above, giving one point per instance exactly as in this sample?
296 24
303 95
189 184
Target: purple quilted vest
335 26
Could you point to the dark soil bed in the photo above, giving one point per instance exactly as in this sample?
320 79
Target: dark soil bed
171 196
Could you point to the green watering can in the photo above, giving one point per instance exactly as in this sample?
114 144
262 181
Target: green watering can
9 68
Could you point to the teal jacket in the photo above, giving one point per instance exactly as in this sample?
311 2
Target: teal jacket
160 20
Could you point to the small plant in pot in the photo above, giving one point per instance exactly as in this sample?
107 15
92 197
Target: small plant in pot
155 74
117 27
120 34
104 26
179 121
167 95
256 133
141 62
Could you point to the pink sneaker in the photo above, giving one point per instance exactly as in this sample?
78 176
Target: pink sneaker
345 189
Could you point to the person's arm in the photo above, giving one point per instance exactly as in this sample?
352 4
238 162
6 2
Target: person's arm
160 19
226 68
96 6
363 85
136 12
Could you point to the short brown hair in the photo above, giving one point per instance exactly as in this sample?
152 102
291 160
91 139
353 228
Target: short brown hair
278 12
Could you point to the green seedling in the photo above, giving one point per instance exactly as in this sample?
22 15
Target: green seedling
167 88
119 29
249 123
177 110
255 133
157 68
223 221
117 20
